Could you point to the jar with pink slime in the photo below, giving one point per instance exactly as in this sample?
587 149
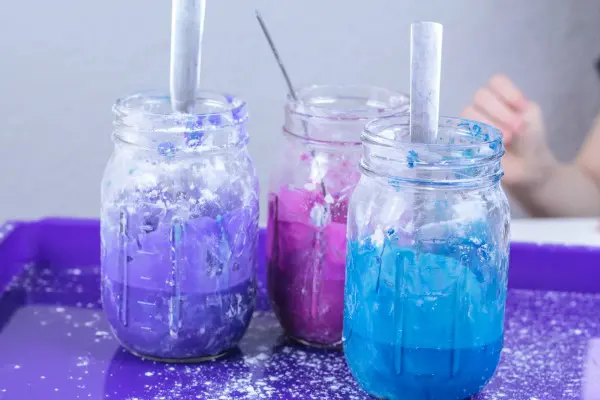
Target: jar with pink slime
308 203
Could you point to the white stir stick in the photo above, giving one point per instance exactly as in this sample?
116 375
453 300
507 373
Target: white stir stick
186 37
425 74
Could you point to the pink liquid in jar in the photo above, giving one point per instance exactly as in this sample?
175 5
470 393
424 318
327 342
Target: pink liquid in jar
306 251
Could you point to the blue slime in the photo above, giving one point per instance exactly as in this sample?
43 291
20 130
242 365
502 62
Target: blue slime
425 321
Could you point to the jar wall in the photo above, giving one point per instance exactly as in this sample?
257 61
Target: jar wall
308 203
426 280
179 228
306 246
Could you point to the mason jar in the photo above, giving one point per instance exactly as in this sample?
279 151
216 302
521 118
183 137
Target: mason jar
427 261
179 227
308 201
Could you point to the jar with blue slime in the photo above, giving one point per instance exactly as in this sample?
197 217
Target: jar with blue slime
179 227
427 262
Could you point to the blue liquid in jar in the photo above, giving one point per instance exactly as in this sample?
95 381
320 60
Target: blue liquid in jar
425 325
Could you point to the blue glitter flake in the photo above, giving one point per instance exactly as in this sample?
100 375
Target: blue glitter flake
200 121
412 158
476 130
237 113
167 149
229 99
194 139
468 153
215 119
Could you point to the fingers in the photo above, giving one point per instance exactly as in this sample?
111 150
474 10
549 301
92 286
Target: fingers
500 112
506 90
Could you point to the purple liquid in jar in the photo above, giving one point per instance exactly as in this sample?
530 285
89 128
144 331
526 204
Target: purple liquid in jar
194 307
306 265
179 227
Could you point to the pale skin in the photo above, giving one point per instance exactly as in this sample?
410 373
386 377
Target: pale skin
544 186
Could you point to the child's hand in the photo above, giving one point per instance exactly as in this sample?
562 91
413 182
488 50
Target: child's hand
528 162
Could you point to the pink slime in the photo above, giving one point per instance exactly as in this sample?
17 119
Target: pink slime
306 266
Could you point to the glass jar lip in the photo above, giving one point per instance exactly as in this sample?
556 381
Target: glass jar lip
155 105
300 103
481 134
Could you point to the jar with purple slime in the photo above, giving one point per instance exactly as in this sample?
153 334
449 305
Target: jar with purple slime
308 202
179 227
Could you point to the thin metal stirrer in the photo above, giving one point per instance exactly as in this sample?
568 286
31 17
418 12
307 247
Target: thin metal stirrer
288 81
317 269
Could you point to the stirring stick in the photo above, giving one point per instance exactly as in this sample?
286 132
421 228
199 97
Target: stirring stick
425 74
288 81
185 48
201 36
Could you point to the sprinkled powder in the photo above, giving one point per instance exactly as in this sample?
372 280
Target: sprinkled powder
547 348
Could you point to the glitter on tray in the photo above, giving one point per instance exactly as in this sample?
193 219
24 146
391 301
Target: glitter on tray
547 340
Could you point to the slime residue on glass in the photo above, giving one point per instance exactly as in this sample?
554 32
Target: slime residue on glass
179 263
425 323
306 250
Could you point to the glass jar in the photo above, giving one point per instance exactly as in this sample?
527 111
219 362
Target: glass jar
179 227
428 247
308 202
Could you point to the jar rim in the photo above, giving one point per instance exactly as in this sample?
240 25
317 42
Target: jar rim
154 105
318 101
466 154
377 131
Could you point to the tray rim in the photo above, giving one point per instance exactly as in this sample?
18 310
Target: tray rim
76 242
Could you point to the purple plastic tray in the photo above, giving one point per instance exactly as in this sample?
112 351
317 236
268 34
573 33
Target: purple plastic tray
56 344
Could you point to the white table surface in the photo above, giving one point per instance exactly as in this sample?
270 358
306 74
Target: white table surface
573 232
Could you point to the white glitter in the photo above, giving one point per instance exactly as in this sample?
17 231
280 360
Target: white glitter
149 373
309 186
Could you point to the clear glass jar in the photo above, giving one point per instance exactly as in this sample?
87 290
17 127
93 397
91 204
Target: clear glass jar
179 227
428 247
308 202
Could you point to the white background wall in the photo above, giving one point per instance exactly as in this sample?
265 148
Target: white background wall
63 63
